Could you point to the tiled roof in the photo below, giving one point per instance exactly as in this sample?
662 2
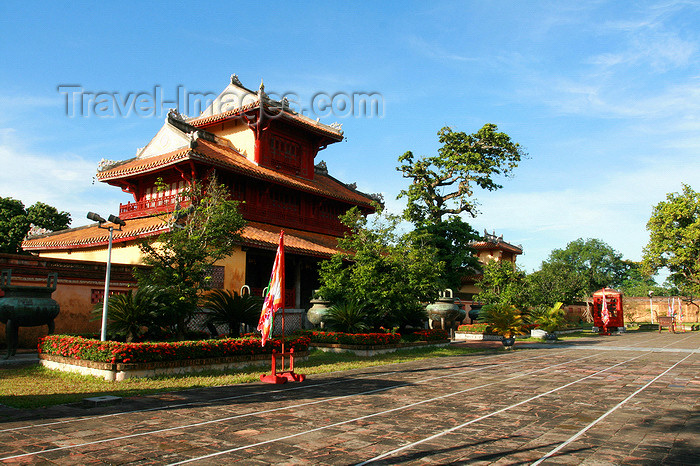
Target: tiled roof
301 242
482 245
91 235
302 120
254 234
230 159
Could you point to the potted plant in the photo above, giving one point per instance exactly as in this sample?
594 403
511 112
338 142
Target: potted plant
550 319
503 319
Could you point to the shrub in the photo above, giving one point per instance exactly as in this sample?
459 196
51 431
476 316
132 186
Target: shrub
432 335
353 338
549 319
348 317
131 315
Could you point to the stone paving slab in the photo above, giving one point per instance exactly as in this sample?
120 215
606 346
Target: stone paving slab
324 422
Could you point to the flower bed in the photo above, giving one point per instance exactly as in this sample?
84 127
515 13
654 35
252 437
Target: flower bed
118 361
116 352
472 328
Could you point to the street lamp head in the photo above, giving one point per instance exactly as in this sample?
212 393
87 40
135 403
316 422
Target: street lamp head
95 218
116 220
651 293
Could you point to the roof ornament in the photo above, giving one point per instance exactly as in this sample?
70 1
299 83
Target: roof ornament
175 115
285 103
105 164
379 197
194 136
321 168
235 81
337 126
261 91
352 186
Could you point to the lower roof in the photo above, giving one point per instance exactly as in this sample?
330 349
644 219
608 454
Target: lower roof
254 234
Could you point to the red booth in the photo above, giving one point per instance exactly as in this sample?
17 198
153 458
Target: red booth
613 302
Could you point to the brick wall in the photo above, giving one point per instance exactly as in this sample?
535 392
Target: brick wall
80 286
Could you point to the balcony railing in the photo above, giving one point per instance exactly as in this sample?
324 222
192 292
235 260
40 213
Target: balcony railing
147 206
264 215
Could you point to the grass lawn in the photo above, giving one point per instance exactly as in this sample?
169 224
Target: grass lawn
35 386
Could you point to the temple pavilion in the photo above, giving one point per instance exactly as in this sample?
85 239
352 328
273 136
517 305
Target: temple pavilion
265 153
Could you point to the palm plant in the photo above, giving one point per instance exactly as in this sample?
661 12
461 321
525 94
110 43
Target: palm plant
348 317
231 309
503 319
131 315
550 319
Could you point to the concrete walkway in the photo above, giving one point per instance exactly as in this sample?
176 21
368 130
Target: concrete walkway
623 399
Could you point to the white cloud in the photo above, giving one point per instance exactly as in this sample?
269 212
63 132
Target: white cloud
63 180
614 208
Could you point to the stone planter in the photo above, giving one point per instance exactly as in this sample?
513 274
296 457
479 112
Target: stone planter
122 371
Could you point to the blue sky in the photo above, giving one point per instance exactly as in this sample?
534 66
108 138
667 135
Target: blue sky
603 95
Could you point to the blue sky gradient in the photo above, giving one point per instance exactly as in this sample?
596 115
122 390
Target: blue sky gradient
603 95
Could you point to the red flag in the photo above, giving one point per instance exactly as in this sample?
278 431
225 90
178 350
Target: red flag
274 299
604 314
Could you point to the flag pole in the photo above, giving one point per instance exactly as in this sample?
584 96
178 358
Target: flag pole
272 304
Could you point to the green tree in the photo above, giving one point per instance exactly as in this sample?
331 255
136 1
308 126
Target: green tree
382 270
638 283
444 184
442 188
674 240
502 283
16 221
597 264
555 282
451 240
180 260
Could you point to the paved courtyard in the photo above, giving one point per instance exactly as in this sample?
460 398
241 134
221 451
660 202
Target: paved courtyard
622 399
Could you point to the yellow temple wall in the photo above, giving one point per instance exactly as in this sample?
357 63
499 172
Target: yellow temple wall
121 254
240 136
234 272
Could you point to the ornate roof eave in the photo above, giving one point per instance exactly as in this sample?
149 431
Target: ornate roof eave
186 155
275 110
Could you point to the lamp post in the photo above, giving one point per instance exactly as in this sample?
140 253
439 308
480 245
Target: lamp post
115 221
651 311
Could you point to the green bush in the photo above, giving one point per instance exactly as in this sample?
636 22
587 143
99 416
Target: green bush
348 317
503 319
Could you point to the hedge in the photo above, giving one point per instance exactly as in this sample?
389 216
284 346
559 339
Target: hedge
374 339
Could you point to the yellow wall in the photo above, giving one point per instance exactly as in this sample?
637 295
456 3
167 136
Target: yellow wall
234 272
122 253
240 136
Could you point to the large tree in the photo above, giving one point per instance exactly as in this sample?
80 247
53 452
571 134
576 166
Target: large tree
674 240
444 184
442 188
502 283
202 233
16 221
555 282
382 270
597 264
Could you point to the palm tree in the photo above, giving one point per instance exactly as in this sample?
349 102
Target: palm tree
229 308
131 315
